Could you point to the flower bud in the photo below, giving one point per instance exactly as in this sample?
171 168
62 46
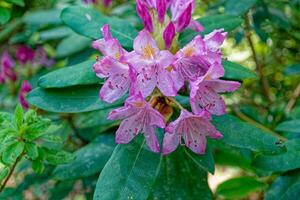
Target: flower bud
184 19
169 34
145 16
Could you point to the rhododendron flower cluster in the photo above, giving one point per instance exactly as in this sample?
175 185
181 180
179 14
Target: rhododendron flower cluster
153 75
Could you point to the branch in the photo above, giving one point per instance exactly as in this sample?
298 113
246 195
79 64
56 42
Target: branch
259 67
293 100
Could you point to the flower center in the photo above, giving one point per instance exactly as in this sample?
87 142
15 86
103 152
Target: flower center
148 52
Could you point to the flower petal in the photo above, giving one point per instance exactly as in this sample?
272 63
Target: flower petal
223 86
151 139
128 129
165 83
196 26
170 143
145 45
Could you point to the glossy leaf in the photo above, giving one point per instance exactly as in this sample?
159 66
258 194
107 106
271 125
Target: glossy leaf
55 33
129 173
58 157
180 178
238 7
237 72
243 135
81 74
43 17
286 187
289 126
89 160
69 100
87 22
240 187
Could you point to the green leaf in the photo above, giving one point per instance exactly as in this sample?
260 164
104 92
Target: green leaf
79 43
3 173
243 135
180 178
69 100
81 74
19 114
32 150
12 152
55 33
295 113
238 7
129 173
237 188
286 187
237 72
38 166
87 22
17 2
4 15
58 157
289 126
205 161
43 17
89 160
212 22
292 69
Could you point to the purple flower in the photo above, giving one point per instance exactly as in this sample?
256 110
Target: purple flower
112 67
144 14
41 58
190 62
181 15
204 91
151 66
213 43
138 116
90 1
107 3
6 65
169 34
24 90
193 129
24 54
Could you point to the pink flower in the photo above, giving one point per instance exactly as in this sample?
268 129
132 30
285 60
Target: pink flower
24 54
112 67
169 34
151 66
213 43
138 116
193 129
6 65
24 90
107 3
204 91
190 62
144 14
181 15
41 58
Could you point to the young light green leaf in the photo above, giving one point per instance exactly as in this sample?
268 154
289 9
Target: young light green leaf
238 188
3 173
124 175
89 160
31 150
17 2
12 152
55 157
80 74
19 114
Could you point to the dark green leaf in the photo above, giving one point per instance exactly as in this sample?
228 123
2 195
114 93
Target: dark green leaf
237 72
180 178
4 15
69 100
205 161
79 43
81 74
212 22
12 152
238 188
243 135
289 126
55 33
286 187
87 22
38 166
19 113
292 69
238 7
43 17
129 173
89 160
295 113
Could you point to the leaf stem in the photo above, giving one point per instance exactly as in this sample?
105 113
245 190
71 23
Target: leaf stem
10 172
259 67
